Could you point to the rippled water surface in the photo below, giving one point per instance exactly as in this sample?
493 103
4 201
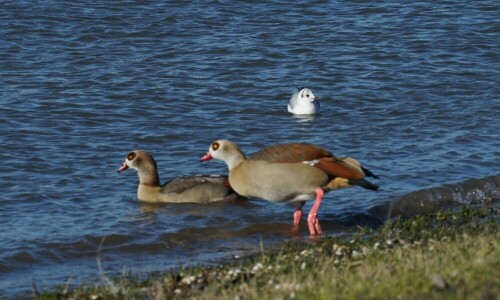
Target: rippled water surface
410 89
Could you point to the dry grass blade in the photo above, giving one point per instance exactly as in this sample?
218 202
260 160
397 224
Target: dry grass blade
104 279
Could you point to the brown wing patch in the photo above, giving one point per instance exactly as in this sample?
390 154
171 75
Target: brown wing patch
338 168
291 153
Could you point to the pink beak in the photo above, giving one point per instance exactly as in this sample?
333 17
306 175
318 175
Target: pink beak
206 157
123 167
315 99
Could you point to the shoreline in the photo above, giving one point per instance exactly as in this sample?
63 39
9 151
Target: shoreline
452 254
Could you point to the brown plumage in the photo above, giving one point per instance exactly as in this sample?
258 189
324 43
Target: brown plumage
293 152
346 167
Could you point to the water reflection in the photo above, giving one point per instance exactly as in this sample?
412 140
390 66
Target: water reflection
305 118
193 208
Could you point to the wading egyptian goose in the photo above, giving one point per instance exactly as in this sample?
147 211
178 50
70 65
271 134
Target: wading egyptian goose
290 173
303 102
188 189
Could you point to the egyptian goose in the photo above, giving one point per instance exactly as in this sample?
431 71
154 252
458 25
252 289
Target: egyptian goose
290 173
187 189
303 102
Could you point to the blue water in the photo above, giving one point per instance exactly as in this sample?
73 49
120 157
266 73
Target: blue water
410 89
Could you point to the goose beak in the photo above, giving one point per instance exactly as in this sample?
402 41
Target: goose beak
206 157
123 167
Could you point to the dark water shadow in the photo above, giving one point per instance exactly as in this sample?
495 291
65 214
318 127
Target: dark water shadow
474 192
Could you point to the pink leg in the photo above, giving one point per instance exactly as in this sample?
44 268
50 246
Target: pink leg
296 220
312 219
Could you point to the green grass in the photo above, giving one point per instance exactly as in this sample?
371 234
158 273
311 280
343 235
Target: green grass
450 255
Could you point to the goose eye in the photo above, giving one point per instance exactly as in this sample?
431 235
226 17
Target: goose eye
215 146
131 156
307 95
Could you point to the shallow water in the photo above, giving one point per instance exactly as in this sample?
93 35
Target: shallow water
411 90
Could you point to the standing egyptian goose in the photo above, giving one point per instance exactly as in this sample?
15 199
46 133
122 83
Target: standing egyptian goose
303 102
290 173
187 189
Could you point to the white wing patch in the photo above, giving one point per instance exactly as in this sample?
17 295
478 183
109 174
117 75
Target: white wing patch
311 162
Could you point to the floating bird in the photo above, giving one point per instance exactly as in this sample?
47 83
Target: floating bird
186 189
303 102
290 173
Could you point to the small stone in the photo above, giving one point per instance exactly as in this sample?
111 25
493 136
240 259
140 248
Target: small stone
177 291
439 282
188 280
234 272
376 245
303 266
257 267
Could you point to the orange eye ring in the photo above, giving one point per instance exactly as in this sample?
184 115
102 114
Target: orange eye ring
215 146
131 156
